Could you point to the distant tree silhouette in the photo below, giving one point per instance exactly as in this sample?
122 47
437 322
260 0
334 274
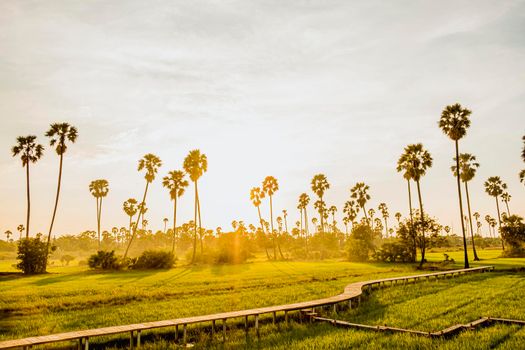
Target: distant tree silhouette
130 207
285 215
8 234
304 200
319 185
30 152
418 161
522 172
505 198
176 183
350 210
454 123
99 189
270 186
398 216
332 210
256 195
384 213
404 165
20 228
467 170
495 187
195 165
360 193
151 164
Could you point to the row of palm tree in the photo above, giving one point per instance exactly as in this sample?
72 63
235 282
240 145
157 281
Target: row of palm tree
30 151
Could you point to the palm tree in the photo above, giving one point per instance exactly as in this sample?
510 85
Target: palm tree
419 161
285 215
522 176
59 134
351 210
151 164
319 186
384 213
495 187
99 189
256 194
454 123
476 216
314 222
270 186
360 193
30 152
304 200
467 170
488 219
195 165
175 182
404 164
398 215
20 228
332 210
8 234
130 208
505 198
165 220
522 173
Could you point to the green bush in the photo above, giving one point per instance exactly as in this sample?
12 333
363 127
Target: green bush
154 259
32 255
357 250
394 252
104 260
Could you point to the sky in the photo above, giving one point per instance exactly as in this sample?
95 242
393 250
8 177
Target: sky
282 88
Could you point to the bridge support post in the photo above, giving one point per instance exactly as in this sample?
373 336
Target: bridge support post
213 328
138 338
86 344
131 340
257 325
176 332
273 317
246 323
184 334
224 330
286 317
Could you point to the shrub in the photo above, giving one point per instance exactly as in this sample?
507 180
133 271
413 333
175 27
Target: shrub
361 242
394 252
357 250
66 259
513 232
104 260
154 259
33 255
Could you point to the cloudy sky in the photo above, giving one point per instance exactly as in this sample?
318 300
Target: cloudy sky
282 88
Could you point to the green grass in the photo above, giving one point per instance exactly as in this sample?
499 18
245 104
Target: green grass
72 298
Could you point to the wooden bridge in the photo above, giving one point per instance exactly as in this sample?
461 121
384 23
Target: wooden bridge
351 296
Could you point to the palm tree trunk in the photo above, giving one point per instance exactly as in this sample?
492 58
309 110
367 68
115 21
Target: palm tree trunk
507 205
28 200
285 224
499 224
470 221
364 211
321 214
56 206
201 235
264 234
414 241
195 225
423 242
139 216
98 222
386 228
461 207
271 226
306 231
301 232
174 224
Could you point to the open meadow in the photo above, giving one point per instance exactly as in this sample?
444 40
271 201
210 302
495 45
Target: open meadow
75 298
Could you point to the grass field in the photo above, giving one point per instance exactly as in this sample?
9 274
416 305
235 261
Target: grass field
72 298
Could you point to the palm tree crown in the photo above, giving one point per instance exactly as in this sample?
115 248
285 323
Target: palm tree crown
175 182
467 166
494 186
270 185
151 163
415 161
256 194
455 121
99 188
320 184
28 149
360 193
59 133
130 207
195 164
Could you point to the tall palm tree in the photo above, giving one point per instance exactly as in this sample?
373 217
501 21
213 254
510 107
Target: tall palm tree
20 228
384 213
175 182
151 164
332 210
30 152
270 186
256 195
99 189
420 160
488 219
314 222
495 188
476 216
319 186
360 193
8 234
351 210
304 200
285 215
59 134
467 170
404 164
454 123
522 172
505 198
130 207
195 165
